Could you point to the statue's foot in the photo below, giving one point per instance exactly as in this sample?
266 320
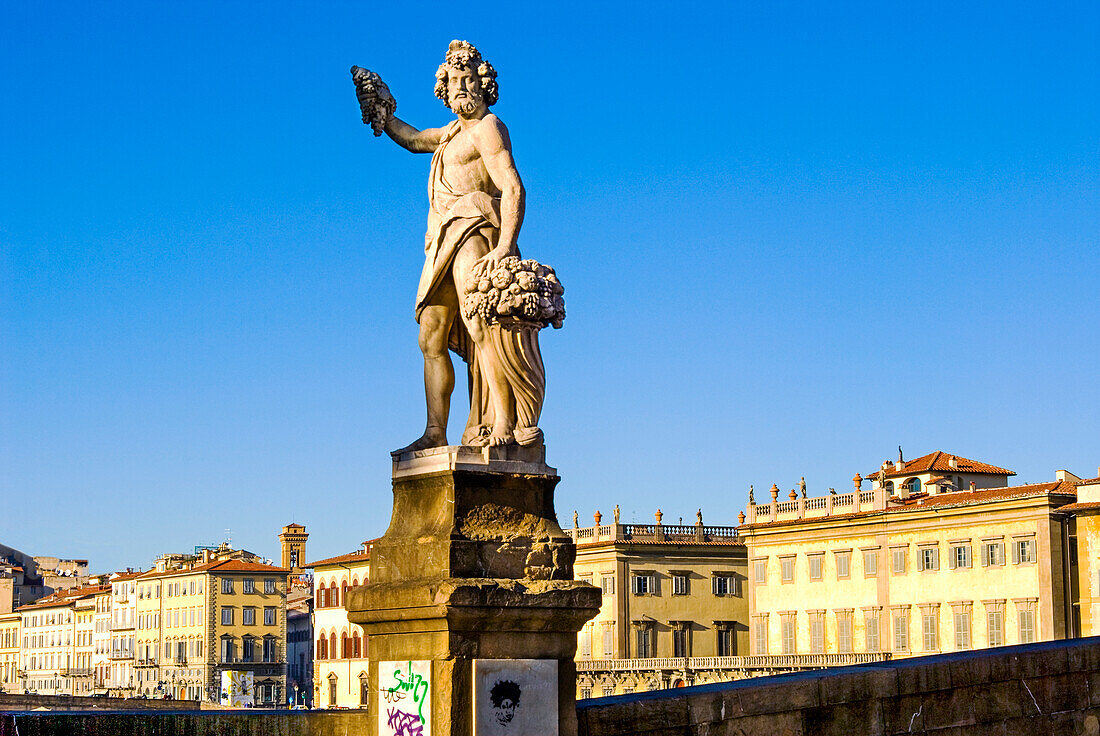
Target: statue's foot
429 439
501 438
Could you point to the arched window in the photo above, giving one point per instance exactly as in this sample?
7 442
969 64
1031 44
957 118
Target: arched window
332 644
889 488
320 596
322 646
356 649
355 582
345 646
913 486
344 594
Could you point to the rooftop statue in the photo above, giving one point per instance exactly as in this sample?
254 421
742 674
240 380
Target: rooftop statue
476 296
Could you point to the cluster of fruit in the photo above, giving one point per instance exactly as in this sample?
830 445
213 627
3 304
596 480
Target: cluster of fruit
524 290
375 100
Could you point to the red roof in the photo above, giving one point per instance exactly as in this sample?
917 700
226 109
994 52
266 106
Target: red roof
218 566
1086 506
1066 489
940 462
356 556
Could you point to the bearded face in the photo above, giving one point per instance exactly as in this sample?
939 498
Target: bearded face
464 91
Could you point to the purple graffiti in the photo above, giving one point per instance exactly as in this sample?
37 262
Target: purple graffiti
404 724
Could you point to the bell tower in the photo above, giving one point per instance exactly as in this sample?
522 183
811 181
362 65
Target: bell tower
293 541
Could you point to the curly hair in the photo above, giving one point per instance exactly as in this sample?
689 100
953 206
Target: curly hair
504 690
462 55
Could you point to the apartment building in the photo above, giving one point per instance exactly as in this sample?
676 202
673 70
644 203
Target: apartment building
340 649
939 556
9 652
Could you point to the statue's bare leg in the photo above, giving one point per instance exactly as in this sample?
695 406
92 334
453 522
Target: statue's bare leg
500 392
439 374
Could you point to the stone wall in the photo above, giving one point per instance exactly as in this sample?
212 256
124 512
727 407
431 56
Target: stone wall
188 723
1045 688
15 701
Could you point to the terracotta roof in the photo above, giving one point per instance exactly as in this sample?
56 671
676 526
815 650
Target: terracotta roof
1088 481
940 462
126 576
356 556
1067 489
217 566
1086 506
49 602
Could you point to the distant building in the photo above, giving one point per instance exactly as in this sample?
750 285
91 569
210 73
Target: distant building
1085 518
670 593
199 617
340 648
299 641
939 556
123 608
9 652
55 653
292 542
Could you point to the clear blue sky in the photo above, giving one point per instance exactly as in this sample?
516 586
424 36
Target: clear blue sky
793 236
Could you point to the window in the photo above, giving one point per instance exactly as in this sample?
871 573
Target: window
817 633
897 559
248 649
870 562
725 641
607 584
815 565
364 691
679 583
269 615
248 585
723 585
760 571
786 569
642 583
681 641
270 586
227 585
995 625
248 615
843 563
930 629
960 556
269 649
644 642
1023 551
586 693
787 632
993 553
227 615
608 638
901 631
332 689
1027 624
586 641
962 629
844 633
227 649
928 558
608 691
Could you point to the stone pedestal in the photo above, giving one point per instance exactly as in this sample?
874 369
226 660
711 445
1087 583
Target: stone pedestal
473 566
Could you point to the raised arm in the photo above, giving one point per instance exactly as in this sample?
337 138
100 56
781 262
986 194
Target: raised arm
408 137
491 139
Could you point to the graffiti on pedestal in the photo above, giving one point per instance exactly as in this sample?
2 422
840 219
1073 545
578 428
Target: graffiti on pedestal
404 698
515 697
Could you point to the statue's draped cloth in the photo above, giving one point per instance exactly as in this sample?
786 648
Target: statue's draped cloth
454 217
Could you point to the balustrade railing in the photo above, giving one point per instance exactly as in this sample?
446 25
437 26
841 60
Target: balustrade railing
749 662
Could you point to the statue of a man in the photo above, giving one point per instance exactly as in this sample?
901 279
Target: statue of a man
476 210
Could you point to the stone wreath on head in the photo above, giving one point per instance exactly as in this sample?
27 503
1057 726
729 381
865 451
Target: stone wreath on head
460 55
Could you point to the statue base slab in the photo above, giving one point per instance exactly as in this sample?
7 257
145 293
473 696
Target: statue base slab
474 571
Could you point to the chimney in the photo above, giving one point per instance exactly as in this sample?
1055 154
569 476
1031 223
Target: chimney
205 556
973 485
899 466
952 462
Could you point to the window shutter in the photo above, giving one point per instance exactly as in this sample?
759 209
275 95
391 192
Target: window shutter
714 585
985 555
951 557
920 560
1015 553
936 558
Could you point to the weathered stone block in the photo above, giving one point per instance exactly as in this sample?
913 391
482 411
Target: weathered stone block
860 685
844 719
903 714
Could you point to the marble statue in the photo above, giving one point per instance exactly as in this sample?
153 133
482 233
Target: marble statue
476 296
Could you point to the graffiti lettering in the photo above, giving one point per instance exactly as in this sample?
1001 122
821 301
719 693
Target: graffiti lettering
408 683
404 724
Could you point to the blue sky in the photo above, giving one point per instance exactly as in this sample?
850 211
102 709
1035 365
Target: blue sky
792 237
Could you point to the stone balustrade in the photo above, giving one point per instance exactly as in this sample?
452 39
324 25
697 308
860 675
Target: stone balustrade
654 533
818 506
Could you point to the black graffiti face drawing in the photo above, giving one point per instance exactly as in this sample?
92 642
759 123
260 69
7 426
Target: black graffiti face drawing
504 696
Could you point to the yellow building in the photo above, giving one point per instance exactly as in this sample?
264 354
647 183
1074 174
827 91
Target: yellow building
912 568
1085 517
197 618
9 652
55 645
669 592
340 654
82 672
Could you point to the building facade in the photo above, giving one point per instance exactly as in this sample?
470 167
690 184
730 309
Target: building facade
671 593
9 652
340 647
204 621
913 568
123 609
